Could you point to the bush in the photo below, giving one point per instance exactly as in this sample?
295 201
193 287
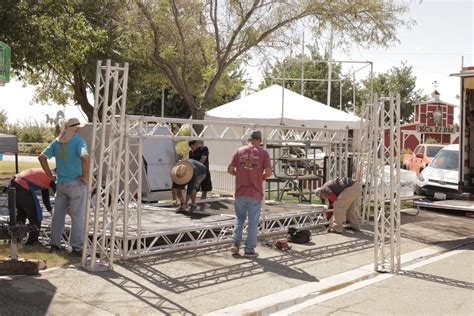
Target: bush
405 151
32 149
431 141
182 149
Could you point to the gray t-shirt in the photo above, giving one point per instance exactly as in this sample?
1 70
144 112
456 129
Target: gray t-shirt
337 185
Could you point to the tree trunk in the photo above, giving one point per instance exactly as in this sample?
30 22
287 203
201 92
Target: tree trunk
80 94
198 114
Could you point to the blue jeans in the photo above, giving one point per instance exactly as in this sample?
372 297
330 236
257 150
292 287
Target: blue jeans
69 195
247 206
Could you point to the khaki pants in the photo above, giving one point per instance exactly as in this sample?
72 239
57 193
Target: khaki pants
345 207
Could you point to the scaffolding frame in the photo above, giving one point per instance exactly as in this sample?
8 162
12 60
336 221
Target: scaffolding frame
114 208
375 160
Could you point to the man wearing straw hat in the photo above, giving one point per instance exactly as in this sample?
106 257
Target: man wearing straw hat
251 166
191 173
72 164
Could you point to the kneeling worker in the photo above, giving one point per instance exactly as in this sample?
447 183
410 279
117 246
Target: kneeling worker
342 194
191 173
27 204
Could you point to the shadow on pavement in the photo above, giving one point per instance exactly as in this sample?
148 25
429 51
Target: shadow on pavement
437 279
281 264
25 295
160 303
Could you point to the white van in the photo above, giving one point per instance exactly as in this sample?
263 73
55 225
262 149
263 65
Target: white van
439 180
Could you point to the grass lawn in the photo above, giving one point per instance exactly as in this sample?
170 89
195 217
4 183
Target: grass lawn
7 168
38 252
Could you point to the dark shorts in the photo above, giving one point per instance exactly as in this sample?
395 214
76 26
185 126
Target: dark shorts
206 184
178 186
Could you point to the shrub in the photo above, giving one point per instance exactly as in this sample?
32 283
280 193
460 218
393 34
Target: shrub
405 151
431 141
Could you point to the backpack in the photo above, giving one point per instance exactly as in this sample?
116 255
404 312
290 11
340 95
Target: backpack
298 236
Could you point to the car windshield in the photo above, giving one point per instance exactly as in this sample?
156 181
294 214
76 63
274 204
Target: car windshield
431 151
446 159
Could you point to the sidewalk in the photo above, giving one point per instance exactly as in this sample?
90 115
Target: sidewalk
203 281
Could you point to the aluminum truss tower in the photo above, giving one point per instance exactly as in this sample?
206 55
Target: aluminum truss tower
386 195
105 164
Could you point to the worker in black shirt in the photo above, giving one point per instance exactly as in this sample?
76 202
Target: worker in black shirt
201 154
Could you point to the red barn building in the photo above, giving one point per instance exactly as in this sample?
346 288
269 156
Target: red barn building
433 119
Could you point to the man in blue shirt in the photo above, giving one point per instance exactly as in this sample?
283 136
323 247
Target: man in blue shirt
191 173
72 165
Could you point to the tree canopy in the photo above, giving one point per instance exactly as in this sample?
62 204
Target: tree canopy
195 48
313 70
397 79
194 42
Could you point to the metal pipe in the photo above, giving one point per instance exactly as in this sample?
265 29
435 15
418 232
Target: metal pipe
162 101
12 220
330 68
12 206
302 66
92 166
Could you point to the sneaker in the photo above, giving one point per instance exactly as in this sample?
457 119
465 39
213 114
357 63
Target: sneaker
234 249
76 253
250 254
54 248
192 208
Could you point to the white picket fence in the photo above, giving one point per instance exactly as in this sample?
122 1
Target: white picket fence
222 182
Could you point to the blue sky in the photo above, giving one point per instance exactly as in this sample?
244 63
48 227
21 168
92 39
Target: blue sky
444 32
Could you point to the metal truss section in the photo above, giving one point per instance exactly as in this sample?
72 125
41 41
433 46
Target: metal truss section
105 163
181 238
114 207
386 179
363 160
186 129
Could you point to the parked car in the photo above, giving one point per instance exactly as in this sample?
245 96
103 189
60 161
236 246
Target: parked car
439 180
421 157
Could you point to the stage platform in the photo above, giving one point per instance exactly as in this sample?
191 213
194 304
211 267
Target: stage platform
163 229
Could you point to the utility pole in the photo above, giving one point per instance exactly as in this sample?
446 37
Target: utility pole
302 66
330 67
162 101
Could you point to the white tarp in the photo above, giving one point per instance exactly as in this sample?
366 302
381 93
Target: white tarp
266 106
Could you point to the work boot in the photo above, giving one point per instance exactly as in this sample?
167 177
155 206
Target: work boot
335 231
54 248
234 249
354 228
76 253
250 254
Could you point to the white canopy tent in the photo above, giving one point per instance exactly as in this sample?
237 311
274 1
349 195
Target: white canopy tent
276 105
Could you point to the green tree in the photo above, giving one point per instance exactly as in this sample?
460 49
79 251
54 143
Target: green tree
194 42
316 90
3 121
55 44
398 79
